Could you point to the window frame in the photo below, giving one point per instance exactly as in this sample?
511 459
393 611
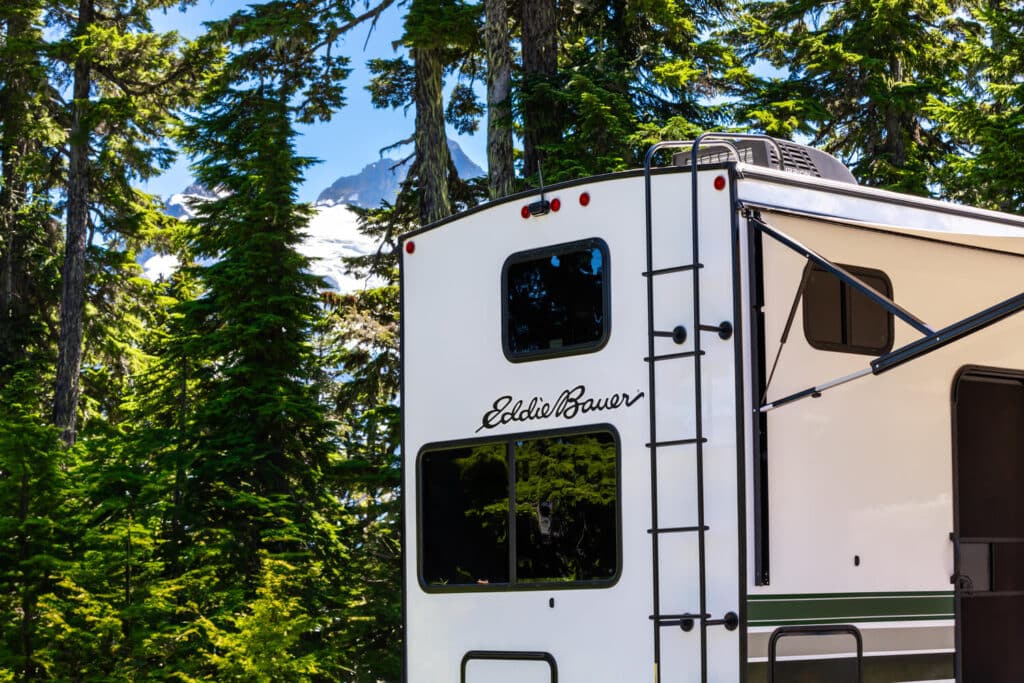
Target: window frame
508 439
859 272
606 300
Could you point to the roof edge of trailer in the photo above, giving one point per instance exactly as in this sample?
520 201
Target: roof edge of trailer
747 171
533 192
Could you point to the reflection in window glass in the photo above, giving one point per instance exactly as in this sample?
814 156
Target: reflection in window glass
464 514
555 300
566 512
565 508
838 317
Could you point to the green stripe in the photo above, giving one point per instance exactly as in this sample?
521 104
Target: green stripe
835 608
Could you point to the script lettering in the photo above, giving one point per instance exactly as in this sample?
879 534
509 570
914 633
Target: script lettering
570 403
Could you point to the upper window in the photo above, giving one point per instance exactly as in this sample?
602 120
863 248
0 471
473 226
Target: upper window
555 301
561 527
838 317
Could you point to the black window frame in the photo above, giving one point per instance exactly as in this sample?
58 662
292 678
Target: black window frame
846 291
606 297
513 585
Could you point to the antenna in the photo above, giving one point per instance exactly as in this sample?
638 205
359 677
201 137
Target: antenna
543 206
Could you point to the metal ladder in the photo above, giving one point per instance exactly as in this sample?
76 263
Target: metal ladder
701 618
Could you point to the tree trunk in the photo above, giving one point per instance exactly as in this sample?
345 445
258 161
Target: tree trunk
499 111
13 148
432 156
72 303
896 123
541 125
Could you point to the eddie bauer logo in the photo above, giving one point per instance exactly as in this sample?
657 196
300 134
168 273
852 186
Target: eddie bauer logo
569 404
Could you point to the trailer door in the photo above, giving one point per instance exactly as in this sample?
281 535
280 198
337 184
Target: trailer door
988 415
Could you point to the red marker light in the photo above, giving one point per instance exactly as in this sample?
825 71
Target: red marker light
524 212
556 204
410 247
584 199
720 182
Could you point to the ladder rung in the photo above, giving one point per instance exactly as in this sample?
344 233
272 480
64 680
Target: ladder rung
677 529
663 333
676 442
673 269
669 356
676 619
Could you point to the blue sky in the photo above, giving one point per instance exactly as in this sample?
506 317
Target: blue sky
357 132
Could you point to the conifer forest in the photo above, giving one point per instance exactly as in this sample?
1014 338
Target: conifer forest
200 475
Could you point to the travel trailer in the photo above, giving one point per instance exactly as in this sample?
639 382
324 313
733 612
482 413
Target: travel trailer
731 417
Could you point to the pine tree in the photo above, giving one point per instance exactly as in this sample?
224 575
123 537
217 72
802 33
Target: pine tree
29 238
860 76
126 81
252 494
986 111
33 539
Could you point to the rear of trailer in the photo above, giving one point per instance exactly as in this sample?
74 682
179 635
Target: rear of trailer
714 422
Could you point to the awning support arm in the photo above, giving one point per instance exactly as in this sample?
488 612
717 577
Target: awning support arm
949 334
785 331
850 279
931 340
916 349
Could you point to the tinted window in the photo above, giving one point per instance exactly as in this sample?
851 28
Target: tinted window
464 512
838 317
566 508
556 300
565 497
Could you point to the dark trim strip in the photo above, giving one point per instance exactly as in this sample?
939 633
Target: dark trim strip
495 655
759 421
851 608
740 401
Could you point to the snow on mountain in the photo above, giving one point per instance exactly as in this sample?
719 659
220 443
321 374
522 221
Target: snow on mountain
182 205
332 235
333 232
381 180
156 266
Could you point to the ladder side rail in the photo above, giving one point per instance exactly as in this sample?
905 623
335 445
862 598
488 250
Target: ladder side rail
698 440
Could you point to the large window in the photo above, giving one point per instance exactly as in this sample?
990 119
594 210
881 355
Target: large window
838 317
555 300
520 513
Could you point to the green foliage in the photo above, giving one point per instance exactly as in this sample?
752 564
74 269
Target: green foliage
263 641
859 78
986 111
34 539
232 507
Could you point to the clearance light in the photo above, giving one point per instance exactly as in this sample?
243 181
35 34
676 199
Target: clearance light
720 182
524 212
556 204
410 247
584 199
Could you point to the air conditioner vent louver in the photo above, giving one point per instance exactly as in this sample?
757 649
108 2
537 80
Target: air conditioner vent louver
796 158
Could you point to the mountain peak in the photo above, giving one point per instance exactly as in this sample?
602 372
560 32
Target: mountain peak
381 180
